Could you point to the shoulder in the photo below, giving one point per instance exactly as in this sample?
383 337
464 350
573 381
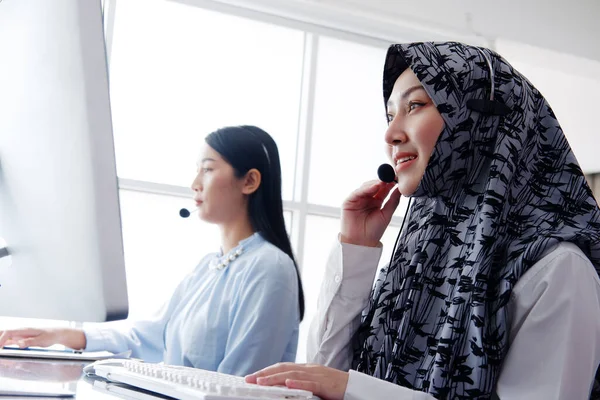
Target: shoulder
267 261
565 265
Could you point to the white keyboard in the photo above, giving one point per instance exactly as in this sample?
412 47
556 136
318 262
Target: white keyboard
189 383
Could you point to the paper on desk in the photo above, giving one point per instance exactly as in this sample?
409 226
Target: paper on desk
62 354
13 387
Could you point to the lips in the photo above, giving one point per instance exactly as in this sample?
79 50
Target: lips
403 157
403 160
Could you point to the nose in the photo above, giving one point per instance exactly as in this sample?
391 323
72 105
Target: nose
196 184
395 133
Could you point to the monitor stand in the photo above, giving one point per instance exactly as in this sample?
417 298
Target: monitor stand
5 257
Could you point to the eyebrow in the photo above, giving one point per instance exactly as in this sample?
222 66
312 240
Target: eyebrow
407 93
199 163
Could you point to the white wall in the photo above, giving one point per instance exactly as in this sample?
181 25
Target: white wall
564 26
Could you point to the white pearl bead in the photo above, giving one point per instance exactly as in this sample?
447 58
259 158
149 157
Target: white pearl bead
227 259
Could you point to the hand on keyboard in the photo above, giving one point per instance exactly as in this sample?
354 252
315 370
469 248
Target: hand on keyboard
322 381
189 383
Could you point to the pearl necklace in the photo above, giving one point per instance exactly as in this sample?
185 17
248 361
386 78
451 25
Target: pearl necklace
215 264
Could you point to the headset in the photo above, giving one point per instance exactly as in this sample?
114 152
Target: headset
488 106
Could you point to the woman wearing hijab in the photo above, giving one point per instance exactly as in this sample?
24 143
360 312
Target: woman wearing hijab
493 289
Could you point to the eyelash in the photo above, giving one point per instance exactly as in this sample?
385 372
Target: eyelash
204 170
414 103
390 117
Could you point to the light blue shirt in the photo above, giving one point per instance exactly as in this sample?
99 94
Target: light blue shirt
236 320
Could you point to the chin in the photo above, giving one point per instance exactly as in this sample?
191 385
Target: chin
203 217
407 188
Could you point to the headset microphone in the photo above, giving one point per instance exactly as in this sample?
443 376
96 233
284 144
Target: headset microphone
386 173
184 212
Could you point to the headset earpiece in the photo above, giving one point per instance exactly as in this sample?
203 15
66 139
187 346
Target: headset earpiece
489 106
486 106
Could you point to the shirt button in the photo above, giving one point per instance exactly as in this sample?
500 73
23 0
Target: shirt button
337 279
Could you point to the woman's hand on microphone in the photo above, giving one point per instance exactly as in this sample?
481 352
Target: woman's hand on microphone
364 216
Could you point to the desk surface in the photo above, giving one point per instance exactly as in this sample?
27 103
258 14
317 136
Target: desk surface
37 373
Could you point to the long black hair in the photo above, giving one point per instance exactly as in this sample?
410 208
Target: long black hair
246 147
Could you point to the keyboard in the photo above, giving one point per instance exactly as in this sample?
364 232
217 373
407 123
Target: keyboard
188 383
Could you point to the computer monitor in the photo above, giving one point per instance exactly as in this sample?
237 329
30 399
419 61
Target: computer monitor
59 205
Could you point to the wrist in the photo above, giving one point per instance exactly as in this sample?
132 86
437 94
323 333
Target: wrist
358 241
74 338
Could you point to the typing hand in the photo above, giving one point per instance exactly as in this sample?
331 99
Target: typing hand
73 338
327 383
28 337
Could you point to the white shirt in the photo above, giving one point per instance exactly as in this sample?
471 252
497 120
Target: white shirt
554 337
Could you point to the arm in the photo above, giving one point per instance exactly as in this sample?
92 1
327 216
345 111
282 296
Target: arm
265 317
144 338
345 291
555 332
364 219
338 315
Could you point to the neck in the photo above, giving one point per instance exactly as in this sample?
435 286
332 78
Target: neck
234 232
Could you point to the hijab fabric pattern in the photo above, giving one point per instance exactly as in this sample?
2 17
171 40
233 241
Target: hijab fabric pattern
497 194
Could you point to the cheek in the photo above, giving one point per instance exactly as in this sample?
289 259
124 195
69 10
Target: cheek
212 187
221 191
431 133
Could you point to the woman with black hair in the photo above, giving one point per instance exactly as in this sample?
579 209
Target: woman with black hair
239 310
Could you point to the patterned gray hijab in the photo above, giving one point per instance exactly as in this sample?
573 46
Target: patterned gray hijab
499 192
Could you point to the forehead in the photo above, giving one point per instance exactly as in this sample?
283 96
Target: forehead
406 80
406 84
207 152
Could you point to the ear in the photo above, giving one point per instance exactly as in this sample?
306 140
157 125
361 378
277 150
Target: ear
252 181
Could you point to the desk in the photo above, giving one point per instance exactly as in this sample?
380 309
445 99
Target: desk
28 373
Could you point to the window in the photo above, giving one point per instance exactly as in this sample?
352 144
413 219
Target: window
349 120
178 72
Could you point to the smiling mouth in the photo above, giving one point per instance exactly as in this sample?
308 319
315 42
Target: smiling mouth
405 159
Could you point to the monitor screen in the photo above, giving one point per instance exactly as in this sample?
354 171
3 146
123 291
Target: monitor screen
61 247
